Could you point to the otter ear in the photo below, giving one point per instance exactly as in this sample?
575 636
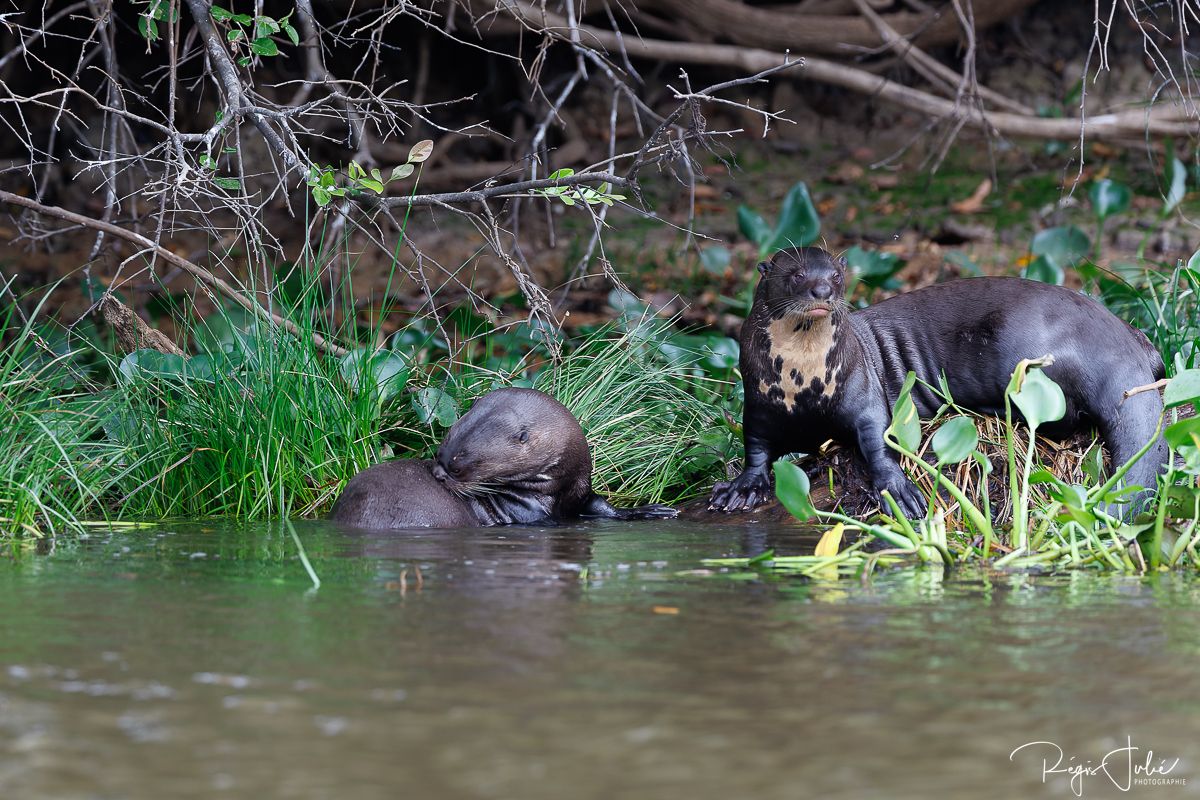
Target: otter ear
842 262
764 267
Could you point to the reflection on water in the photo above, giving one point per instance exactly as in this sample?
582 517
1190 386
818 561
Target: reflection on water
569 663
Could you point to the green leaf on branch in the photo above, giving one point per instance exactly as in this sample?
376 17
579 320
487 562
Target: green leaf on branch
264 47
234 34
291 33
400 172
148 28
230 184
265 26
221 14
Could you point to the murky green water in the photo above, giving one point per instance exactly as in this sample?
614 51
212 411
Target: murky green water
196 662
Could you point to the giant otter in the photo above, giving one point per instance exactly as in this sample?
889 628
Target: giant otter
518 456
814 371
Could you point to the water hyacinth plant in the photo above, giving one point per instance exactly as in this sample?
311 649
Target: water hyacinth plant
1069 526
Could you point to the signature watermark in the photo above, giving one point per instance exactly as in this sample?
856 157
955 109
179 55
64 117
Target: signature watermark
1123 767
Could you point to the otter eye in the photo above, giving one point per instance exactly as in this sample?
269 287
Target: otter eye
523 437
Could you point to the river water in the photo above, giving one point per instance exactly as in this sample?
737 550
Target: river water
582 662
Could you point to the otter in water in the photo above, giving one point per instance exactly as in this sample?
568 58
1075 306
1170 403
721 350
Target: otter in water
518 456
814 371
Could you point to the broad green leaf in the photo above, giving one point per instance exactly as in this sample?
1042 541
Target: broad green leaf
831 542
754 227
558 174
1109 197
400 172
243 19
964 262
151 364
1185 432
1043 475
148 28
791 487
231 184
1064 246
955 440
265 26
373 185
322 196
906 424
207 366
1040 399
715 260
354 170
264 47
433 404
798 224
1193 263
383 372
1176 184
1044 269
1183 388
420 151
872 263
219 13
292 33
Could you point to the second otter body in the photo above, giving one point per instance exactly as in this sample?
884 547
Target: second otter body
518 456
814 371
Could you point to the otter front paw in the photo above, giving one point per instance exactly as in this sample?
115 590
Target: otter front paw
747 491
652 511
907 496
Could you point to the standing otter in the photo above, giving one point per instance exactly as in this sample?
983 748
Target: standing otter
518 456
813 371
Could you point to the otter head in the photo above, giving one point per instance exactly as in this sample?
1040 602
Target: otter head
515 440
804 282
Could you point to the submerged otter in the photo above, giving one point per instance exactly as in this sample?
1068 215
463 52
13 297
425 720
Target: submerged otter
814 371
518 456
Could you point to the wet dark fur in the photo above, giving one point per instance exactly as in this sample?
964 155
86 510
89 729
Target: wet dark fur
974 331
518 456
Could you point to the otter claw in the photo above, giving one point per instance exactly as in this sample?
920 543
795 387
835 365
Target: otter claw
729 497
910 500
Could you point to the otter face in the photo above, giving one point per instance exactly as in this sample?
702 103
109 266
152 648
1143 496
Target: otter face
806 282
511 438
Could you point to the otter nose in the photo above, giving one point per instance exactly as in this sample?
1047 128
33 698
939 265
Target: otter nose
821 291
447 464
